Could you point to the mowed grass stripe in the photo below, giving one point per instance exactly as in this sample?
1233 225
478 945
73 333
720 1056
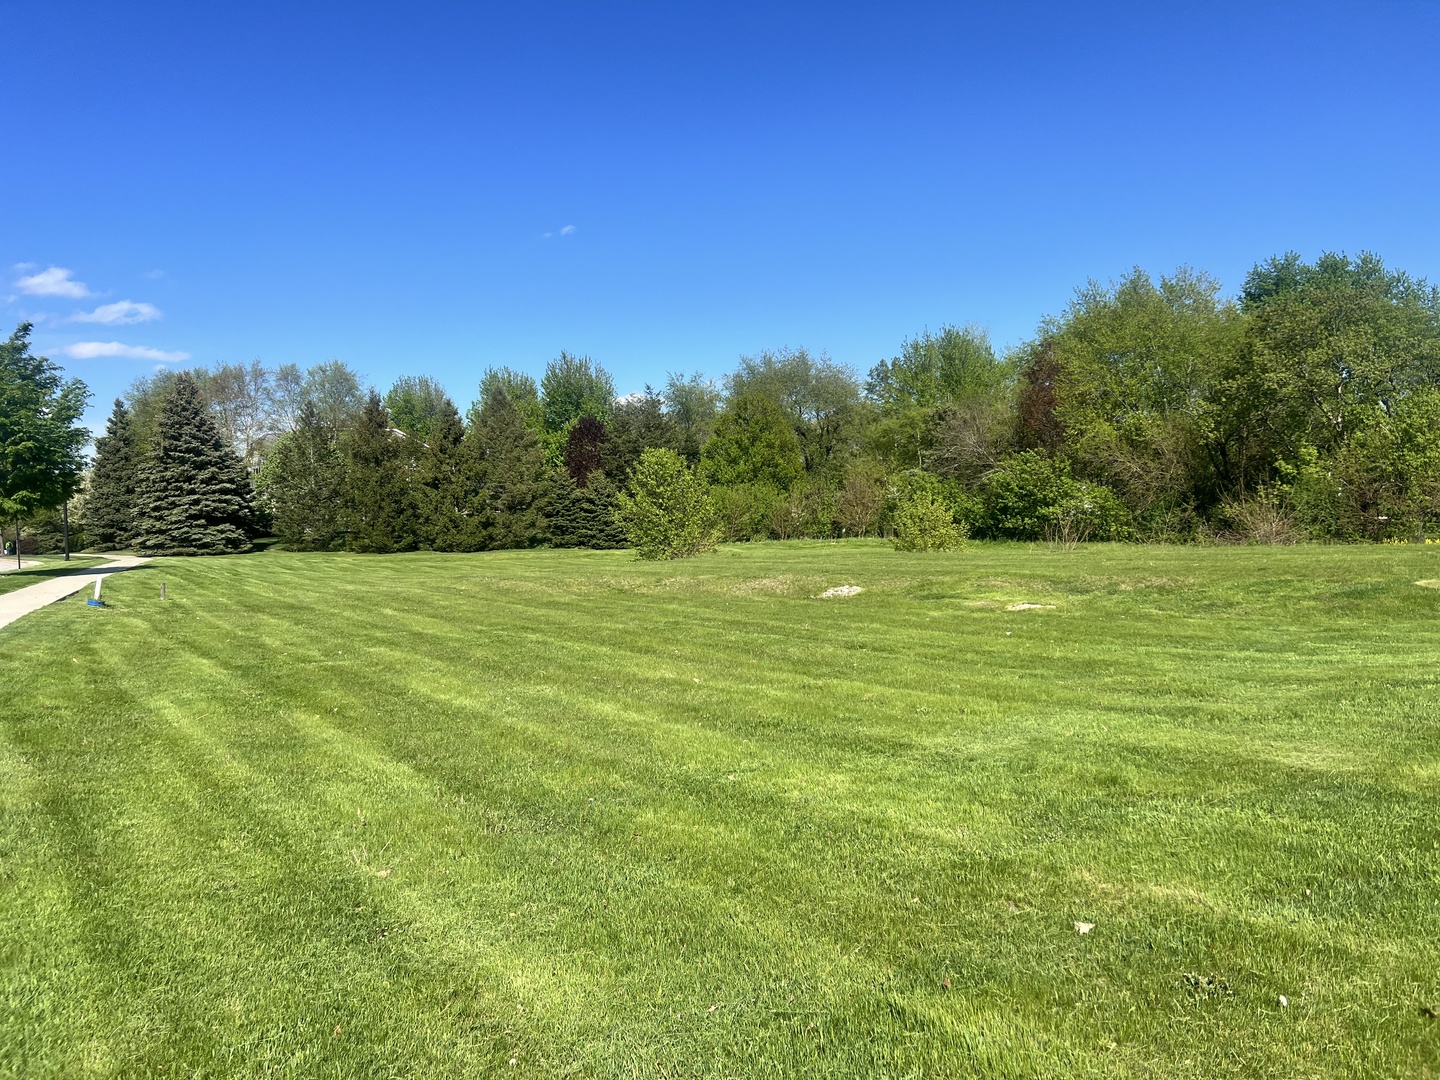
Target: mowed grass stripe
913 798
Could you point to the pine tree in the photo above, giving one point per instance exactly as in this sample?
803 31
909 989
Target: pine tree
195 497
452 504
510 469
583 517
380 511
303 480
110 502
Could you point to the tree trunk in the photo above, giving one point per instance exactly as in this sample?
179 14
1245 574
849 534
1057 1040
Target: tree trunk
65 525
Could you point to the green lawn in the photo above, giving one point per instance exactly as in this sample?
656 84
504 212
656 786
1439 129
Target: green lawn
49 566
568 814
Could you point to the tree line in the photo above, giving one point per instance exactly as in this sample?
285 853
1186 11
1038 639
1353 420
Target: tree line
1307 406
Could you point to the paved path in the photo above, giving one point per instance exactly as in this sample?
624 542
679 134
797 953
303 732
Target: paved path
8 567
33 597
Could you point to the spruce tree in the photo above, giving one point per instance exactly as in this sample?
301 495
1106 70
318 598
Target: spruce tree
452 504
510 468
583 517
110 502
380 511
195 497
304 480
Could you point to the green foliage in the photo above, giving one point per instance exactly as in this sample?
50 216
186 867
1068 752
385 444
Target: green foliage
862 498
903 438
415 404
44 532
510 474
336 392
954 366
1327 345
239 398
584 517
195 497
111 494
41 443
754 443
692 403
520 388
380 512
636 425
303 485
744 511
575 386
1388 471
453 513
818 396
1137 366
807 510
1150 408
924 522
667 513
1030 496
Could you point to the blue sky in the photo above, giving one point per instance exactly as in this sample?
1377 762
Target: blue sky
437 188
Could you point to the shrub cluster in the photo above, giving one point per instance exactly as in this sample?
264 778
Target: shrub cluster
1306 406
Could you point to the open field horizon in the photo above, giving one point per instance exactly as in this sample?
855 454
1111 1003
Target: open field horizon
567 813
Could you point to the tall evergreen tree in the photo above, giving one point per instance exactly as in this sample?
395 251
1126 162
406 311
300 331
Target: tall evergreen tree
110 502
511 472
380 511
304 482
195 497
452 503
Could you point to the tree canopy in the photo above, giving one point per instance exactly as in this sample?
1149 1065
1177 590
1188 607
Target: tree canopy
41 442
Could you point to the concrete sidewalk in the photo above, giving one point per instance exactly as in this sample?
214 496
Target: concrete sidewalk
33 597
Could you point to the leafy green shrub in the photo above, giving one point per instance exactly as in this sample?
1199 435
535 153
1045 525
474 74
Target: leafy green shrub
744 510
1030 496
668 512
924 522
926 513
806 510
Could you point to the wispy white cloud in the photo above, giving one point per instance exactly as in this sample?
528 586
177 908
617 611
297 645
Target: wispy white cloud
56 281
95 350
567 230
152 274
120 313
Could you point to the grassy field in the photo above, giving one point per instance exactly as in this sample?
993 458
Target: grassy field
49 566
567 814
